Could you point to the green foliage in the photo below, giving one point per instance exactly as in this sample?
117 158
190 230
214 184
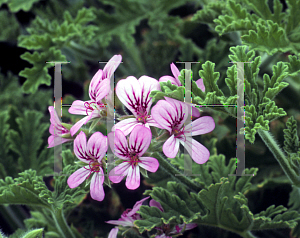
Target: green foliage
63 195
291 139
168 90
17 5
262 30
28 189
209 12
50 38
267 219
11 32
27 141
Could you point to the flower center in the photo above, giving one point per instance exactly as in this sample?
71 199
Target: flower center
94 166
178 133
142 116
64 130
92 106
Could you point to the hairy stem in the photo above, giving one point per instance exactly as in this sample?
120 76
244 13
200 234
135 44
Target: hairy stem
61 224
172 171
279 156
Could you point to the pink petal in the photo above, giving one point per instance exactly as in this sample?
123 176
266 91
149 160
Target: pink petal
78 177
78 125
182 111
103 90
136 207
80 147
54 119
118 173
78 107
200 84
51 129
167 78
195 112
111 66
199 153
52 142
149 163
133 177
152 122
140 139
154 203
96 187
94 85
118 144
201 126
97 145
83 121
113 233
147 85
127 221
164 115
175 72
129 92
170 147
126 126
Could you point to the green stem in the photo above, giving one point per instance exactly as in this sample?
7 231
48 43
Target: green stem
248 234
172 171
279 156
61 224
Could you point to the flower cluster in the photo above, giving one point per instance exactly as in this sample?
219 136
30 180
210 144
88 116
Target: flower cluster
169 115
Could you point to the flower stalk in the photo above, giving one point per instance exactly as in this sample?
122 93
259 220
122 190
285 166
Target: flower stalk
61 224
279 156
172 171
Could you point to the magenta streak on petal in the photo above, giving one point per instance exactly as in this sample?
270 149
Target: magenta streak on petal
124 150
133 105
133 147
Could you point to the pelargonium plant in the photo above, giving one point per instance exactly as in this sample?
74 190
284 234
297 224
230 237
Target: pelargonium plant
186 131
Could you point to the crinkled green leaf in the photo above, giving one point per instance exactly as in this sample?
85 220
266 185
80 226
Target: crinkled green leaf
209 12
168 90
293 13
153 217
237 19
210 78
8 33
231 79
127 15
291 139
27 143
270 38
28 189
39 74
63 195
17 5
269 220
271 111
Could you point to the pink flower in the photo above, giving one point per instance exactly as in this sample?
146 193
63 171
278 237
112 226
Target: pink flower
113 233
134 94
98 90
171 115
92 154
56 130
174 80
166 227
139 141
129 215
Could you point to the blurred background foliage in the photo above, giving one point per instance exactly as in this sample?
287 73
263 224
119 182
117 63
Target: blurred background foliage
149 35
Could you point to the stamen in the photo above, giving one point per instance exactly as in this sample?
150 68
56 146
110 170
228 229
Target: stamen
94 167
88 107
